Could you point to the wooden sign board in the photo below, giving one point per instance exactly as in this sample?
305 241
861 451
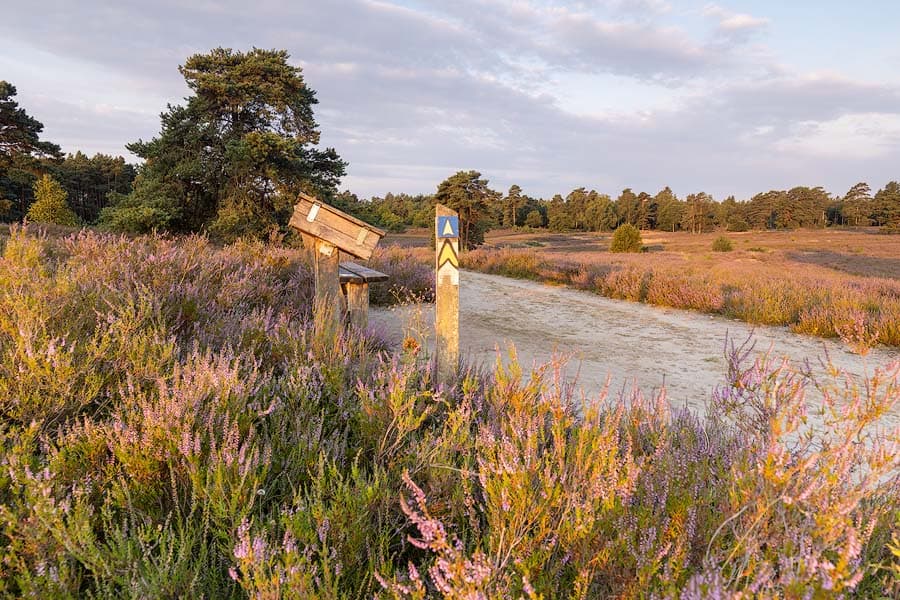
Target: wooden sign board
346 232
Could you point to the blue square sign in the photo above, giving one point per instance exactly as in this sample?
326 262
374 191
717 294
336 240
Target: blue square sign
447 227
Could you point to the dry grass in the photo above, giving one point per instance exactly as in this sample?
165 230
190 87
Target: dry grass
825 253
834 283
828 253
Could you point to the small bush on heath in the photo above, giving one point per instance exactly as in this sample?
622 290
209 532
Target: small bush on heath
626 238
722 244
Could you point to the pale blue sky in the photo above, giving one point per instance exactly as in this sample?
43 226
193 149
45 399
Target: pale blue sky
725 97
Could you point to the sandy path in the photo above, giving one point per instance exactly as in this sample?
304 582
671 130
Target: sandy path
629 342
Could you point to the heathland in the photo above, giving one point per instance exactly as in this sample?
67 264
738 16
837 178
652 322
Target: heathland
177 419
828 283
177 422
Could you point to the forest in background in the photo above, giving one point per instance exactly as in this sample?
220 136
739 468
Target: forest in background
589 210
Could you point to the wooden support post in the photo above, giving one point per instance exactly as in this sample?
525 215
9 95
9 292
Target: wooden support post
326 261
355 281
446 299
358 304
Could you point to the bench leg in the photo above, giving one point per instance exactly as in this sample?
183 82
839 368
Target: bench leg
358 304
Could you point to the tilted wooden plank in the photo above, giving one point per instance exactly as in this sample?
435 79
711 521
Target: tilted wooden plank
351 218
350 276
336 227
368 275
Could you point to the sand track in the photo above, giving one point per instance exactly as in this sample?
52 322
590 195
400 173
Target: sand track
629 342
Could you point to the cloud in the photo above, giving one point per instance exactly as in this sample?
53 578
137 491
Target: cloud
627 48
819 97
411 93
732 26
858 136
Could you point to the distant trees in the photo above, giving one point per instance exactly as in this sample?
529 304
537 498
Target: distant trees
231 160
856 205
534 219
699 214
886 206
560 216
629 208
600 212
670 211
89 181
587 210
25 158
512 204
396 212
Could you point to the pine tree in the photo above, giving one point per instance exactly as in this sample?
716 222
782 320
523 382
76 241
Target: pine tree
513 202
469 195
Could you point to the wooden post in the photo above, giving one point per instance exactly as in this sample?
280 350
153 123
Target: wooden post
326 274
358 304
446 298
355 281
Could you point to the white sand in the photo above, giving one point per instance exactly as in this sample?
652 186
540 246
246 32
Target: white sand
629 342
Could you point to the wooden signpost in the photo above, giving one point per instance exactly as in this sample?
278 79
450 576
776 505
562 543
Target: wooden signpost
327 232
446 297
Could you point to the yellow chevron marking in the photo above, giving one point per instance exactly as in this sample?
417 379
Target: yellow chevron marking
447 255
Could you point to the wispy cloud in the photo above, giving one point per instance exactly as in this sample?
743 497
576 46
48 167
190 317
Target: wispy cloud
411 91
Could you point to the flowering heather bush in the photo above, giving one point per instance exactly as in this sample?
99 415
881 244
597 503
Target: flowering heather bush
411 277
174 423
861 312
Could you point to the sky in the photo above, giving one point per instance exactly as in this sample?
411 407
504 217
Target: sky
732 97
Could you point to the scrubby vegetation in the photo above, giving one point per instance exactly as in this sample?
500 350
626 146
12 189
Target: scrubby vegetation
175 423
860 311
722 244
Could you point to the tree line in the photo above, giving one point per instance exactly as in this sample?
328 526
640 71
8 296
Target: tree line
231 160
588 210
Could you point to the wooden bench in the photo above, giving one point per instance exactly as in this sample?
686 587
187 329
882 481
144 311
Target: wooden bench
355 280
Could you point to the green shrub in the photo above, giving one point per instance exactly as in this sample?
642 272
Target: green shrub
151 206
722 244
737 223
50 204
534 219
626 238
